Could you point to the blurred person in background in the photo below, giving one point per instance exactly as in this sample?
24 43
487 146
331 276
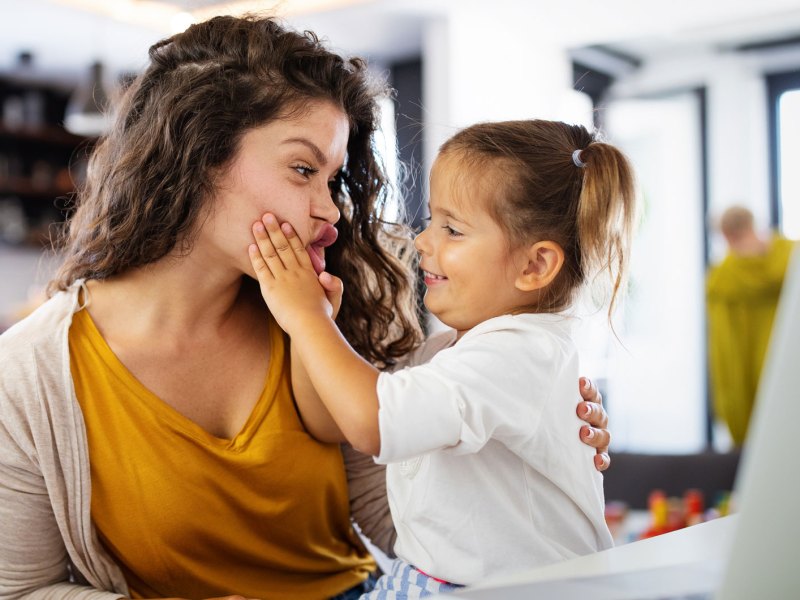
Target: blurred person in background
742 296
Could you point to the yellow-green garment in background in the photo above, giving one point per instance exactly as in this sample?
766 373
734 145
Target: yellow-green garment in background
742 294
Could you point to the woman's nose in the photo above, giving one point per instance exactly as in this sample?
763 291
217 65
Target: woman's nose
323 206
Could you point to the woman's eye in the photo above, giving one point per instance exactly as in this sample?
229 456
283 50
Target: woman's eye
305 170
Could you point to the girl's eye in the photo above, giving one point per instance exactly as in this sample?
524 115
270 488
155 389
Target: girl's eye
305 170
452 232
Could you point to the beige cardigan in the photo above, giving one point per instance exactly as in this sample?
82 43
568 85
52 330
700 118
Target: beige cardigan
48 545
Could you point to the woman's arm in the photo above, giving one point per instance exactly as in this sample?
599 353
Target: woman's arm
369 505
41 482
33 555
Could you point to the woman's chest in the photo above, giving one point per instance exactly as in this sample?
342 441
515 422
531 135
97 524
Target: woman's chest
215 385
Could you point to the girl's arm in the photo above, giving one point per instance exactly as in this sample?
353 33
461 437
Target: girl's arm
316 418
345 382
356 415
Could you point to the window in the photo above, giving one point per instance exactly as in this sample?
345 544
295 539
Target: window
654 379
784 117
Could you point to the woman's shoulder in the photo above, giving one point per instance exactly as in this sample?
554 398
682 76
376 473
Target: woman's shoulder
32 353
40 328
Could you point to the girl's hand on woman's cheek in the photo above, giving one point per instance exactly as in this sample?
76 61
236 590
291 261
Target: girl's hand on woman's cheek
288 282
595 434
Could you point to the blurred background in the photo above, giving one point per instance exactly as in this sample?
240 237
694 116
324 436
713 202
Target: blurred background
703 96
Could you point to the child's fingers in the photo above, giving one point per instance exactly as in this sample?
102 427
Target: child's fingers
297 246
266 249
259 265
278 242
331 283
334 289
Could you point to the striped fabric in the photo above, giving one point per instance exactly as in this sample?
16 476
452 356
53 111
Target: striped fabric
404 582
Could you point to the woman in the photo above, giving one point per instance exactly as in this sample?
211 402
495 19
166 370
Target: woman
144 452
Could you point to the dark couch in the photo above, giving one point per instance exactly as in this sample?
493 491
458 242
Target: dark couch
632 477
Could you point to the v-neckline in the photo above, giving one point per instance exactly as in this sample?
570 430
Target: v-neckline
173 417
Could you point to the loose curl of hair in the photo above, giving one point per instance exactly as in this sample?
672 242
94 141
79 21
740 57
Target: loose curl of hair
179 124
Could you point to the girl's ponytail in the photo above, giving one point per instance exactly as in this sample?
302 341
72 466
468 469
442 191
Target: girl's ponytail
606 213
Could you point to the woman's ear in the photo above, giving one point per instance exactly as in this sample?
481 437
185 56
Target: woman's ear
544 262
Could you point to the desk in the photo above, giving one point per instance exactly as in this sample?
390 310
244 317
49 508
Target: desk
678 564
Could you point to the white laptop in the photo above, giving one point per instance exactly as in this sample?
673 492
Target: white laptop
751 555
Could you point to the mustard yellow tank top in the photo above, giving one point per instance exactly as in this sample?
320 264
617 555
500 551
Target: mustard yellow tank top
186 514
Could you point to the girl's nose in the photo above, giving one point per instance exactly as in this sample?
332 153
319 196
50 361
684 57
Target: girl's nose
420 242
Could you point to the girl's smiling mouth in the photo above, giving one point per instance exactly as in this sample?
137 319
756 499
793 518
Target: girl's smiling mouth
432 278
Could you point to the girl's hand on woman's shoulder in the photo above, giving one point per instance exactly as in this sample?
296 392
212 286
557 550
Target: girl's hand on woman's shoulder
595 434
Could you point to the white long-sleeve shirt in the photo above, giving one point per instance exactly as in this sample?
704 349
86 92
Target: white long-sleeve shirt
486 473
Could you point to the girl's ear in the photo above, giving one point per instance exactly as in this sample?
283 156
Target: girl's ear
545 260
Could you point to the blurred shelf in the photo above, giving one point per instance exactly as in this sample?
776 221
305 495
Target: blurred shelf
47 134
25 188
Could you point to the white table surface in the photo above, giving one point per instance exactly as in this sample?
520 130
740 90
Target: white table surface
677 564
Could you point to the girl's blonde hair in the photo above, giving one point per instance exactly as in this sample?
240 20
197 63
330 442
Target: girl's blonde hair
558 182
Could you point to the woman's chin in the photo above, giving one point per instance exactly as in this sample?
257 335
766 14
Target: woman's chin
317 259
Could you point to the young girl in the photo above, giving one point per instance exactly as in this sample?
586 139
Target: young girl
484 476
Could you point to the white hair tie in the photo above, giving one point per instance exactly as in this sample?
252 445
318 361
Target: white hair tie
576 158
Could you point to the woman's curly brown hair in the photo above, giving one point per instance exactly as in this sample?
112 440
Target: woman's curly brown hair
180 123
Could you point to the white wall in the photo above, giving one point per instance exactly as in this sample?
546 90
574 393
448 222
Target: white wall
510 71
